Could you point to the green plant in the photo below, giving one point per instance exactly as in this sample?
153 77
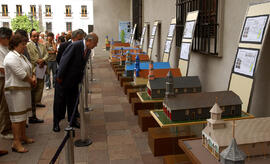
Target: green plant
23 22
122 36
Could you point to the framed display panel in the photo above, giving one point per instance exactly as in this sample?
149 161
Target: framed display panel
185 50
254 28
245 61
132 34
152 38
143 35
250 48
186 44
168 42
189 29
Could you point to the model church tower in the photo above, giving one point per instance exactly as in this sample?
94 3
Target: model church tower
215 122
137 67
169 85
128 59
151 75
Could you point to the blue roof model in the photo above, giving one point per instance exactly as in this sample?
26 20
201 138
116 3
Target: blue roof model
125 48
145 65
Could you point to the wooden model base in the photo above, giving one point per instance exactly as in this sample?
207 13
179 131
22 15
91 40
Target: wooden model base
176 159
119 70
124 79
128 85
145 120
199 155
138 105
163 141
132 93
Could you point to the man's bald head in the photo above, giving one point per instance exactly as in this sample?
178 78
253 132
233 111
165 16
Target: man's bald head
91 40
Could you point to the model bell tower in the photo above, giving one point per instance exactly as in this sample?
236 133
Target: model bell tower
151 75
169 85
215 122
137 67
128 58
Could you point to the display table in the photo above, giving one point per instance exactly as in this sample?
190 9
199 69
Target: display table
145 98
199 155
131 85
164 121
144 103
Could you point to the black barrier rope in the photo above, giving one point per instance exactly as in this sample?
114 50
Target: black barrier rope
56 155
60 148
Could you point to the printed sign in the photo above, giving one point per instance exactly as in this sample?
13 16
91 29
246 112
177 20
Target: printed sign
188 32
171 30
245 61
253 30
185 50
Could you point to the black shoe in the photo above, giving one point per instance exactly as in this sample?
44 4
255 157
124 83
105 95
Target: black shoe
34 120
76 124
40 105
56 127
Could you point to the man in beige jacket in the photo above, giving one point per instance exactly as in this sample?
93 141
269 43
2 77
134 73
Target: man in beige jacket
38 56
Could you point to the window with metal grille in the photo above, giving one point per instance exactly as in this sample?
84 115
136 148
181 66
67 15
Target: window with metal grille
206 34
68 11
33 10
84 11
49 26
4 10
48 10
137 17
69 26
19 10
6 24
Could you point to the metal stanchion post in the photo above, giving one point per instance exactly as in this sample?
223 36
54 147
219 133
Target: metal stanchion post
70 146
84 141
86 91
91 68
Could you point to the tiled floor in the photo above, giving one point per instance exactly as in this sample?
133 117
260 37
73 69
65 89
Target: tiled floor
113 128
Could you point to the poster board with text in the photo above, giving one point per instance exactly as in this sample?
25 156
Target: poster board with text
250 48
186 45
169 41
152 38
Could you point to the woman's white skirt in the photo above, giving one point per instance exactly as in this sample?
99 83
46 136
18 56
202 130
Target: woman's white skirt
19 104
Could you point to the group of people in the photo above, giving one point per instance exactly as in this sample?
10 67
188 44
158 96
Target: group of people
25 66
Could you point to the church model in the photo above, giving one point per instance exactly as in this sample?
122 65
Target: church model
129 57
156 85
196 106
141 76
140 66
252 136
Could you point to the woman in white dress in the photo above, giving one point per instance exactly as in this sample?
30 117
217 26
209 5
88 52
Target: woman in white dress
18 81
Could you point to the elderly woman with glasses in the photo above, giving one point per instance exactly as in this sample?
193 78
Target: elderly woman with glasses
18 81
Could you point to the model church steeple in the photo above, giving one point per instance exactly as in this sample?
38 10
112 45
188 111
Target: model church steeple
137 67
169 85
215 121
128 58
151 75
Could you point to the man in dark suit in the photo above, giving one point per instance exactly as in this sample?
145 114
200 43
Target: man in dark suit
70 74
76 35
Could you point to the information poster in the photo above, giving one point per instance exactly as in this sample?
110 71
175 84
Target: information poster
143 32
141 42
171 30
246 61
151 43
154 30
254 29
189 29
185 50
167 46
